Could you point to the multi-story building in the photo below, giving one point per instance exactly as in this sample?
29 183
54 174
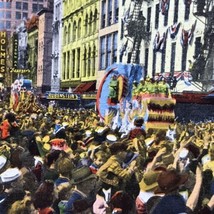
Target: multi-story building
174 35
44 50
32 49
13 12
80 45
56 45
108 36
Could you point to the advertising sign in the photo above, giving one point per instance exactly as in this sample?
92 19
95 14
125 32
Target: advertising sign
3 45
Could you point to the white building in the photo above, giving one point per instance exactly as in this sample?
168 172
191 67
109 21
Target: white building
171 37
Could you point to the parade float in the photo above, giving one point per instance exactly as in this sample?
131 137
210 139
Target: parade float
125 94
22 97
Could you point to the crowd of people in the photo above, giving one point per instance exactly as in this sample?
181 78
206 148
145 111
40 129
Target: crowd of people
68 161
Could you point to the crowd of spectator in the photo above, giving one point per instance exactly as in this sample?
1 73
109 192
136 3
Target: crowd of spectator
68 161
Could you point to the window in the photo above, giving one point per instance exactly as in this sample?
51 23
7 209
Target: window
1 25
1 4
8 24
146 61
165 22
25 15
163 58
176 11
103 18
149 10
156 16
40 7
35 8
86 24
8 5
114 57
25 6
187 10
184 57
1 14
18 15
73 64
116 11
18 5
154 63
198 46
8 15
68 65
173 52
89 62
109 12
102 52
109 49
78 62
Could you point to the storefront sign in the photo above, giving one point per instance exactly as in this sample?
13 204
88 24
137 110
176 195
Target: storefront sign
3 44
61 96
88 96
20 71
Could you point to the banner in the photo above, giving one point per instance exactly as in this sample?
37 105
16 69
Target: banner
3 45
15 50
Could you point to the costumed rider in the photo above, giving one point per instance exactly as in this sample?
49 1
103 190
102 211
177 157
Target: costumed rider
113 90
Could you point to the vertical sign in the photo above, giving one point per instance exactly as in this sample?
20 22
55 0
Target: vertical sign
3 44
15 50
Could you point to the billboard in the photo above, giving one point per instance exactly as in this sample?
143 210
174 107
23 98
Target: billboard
3 45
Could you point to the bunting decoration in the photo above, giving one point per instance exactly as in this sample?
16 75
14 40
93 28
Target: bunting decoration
164 6
173 29
187 35
159 42
126 15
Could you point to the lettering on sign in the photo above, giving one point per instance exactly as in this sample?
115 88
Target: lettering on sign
15 50
62 96
3 45
20 71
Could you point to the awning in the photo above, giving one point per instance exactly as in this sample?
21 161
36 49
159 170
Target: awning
85 87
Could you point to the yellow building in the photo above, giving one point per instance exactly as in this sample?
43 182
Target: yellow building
80 45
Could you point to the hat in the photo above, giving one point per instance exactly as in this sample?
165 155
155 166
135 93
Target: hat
3 161
170 180
10 175
82 174
183 153
111 138
139 121
149 180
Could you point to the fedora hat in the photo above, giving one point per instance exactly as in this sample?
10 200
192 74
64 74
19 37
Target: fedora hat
170 180
81 174
149 180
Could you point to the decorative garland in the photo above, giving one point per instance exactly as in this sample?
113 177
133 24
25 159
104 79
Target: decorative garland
187 35
159 42
173 30
164 6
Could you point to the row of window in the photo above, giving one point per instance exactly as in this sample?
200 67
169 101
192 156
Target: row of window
173 55
74 32
108 50
165 17
5 5
110 13
21 5
5 25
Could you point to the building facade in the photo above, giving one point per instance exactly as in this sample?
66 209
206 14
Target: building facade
171 37
108 36
13 12
79 44
44 50
56 46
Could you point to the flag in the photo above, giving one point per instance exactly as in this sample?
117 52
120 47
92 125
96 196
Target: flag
173 30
